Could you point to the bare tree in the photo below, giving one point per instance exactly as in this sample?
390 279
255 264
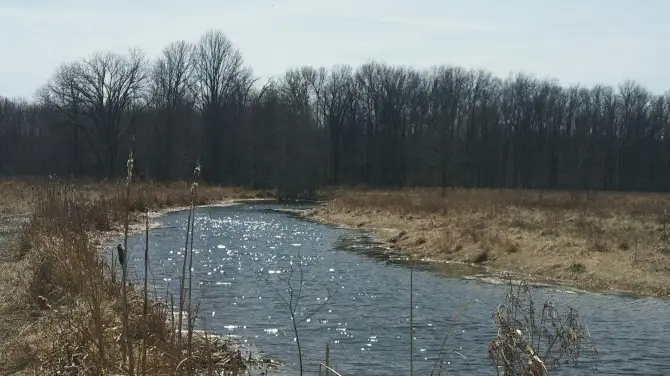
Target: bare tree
297 140
171 75
335 94
171 96
379 125
62 93
222 83
112 88
448 87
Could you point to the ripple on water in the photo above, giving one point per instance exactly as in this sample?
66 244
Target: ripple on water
366 320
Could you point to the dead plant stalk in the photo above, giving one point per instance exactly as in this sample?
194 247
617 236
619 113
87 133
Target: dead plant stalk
128 346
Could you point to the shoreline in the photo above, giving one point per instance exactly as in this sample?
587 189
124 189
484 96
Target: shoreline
385 239
137 225
488 272
26 254
397 234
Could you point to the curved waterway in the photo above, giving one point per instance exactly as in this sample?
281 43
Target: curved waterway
243 255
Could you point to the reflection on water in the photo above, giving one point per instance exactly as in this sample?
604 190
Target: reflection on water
245 257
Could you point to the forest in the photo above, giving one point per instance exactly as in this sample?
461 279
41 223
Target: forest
375 125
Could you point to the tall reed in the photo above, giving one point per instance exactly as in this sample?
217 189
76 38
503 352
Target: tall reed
145 306
127 344
411 320
190 315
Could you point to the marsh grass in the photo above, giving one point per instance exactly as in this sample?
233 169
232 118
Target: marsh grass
620 239
74 318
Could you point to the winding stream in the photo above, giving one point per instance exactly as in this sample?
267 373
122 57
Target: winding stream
366 322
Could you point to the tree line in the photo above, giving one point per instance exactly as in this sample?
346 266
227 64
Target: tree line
377 125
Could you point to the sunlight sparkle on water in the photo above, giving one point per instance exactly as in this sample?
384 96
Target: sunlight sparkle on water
272 331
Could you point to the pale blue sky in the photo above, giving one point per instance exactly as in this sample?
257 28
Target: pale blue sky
576 41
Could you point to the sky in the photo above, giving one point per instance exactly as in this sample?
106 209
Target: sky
575 41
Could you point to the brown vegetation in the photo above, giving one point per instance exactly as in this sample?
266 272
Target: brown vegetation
598 241
533 339
61 310
15 196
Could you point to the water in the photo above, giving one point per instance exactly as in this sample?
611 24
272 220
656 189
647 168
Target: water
366 321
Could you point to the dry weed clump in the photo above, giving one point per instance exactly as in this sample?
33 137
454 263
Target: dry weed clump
532 340
76 307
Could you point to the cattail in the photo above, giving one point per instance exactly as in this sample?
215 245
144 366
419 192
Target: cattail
129 168
122 256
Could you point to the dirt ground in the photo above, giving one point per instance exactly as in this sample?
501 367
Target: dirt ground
597 241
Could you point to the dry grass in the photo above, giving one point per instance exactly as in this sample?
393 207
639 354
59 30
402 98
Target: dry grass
602 241
532 339
60 309
18 195
15 196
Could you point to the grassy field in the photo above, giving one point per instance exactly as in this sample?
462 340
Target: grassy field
600 241
62 312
